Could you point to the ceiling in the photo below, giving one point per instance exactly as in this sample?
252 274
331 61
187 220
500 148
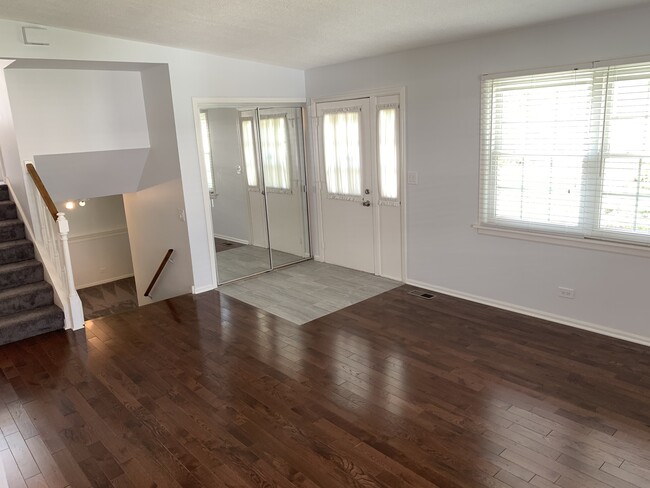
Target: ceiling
298 33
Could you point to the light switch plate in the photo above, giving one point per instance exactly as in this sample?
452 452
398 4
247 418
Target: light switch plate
412 178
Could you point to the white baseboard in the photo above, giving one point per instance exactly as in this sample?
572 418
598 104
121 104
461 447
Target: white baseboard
233 239
103 282
202 289
578 324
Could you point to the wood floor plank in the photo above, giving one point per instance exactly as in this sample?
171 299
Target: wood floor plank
390 392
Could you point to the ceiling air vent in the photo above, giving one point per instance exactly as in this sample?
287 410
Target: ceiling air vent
426 295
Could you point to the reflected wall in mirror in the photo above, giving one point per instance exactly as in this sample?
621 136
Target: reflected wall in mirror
254 164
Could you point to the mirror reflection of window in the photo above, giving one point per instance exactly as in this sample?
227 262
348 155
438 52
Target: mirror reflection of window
207 151
248 141
275 153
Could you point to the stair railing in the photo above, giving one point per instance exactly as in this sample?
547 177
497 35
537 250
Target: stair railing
51 230
159 272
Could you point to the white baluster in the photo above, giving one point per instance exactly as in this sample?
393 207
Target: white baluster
76 308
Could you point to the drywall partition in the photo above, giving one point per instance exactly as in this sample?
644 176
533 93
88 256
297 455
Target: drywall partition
191 74
99 241
442 145
60 111
157 223
92 174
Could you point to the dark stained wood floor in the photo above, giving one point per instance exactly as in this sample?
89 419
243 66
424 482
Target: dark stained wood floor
392 392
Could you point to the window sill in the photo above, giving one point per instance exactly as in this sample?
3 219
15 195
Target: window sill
593 244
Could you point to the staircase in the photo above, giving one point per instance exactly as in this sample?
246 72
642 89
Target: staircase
26 301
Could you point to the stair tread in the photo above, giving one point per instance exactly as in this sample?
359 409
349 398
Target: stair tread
20 264
31 315
10 222
23 289
7 203
10 244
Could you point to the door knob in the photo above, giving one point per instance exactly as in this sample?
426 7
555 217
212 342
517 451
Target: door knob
365 203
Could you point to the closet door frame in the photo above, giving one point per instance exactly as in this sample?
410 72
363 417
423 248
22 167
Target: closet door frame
202 103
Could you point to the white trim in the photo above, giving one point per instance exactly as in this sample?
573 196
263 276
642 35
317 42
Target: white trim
202 289
104 281
568 67
98 235
319 254
594 244
531 312
250 102
233 239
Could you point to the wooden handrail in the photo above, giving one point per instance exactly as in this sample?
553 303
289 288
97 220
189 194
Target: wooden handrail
160 270
49 203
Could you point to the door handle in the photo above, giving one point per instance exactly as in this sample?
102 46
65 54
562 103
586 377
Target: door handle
365 203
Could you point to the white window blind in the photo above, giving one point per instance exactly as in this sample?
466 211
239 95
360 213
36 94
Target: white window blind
342 152
248 143
275 153
207 152
568 153
387 135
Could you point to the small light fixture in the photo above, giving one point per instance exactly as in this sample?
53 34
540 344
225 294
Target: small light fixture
69 205
82 203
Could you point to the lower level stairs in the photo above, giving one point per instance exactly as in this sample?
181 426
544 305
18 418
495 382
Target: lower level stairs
26 300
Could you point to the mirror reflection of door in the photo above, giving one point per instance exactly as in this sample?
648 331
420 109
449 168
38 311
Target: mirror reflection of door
255 168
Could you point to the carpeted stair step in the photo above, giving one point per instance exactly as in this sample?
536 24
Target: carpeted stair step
4 193
8 210
25 297
11 230
22 273
14 251
30 323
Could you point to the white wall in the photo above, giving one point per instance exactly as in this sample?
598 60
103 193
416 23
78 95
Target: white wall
150 240
63 110
99 241
442 145
191 74
8 142
230 208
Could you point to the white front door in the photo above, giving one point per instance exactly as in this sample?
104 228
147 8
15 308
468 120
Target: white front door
347 182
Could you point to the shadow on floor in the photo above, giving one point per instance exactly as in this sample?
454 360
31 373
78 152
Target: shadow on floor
109 298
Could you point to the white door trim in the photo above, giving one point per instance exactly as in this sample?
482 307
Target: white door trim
372 94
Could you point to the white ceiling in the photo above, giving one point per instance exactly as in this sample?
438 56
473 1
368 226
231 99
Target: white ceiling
298 33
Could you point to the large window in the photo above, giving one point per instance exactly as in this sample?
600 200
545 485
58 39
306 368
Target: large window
568 152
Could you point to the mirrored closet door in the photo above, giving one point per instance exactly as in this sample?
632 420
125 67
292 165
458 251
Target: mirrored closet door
255 167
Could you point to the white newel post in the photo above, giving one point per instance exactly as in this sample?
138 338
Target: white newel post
76 308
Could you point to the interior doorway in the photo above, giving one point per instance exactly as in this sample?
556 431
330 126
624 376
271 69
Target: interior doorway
360 170
254 169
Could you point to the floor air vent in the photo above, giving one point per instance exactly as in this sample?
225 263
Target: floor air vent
427 295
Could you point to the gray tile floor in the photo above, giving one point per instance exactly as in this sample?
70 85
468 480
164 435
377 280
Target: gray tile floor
247 260
306 291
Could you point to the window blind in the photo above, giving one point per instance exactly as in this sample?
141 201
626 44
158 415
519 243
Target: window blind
568 153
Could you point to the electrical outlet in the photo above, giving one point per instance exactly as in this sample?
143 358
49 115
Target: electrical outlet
566 292
412 178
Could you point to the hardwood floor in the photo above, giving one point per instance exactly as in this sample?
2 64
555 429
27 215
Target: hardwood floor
394 391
